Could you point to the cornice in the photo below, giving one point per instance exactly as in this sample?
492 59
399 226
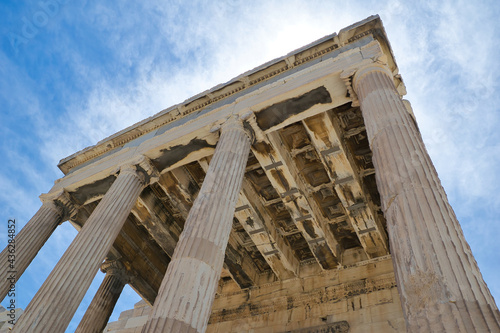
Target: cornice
299 57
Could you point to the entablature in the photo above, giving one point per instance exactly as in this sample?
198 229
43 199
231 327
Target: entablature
309 201
328 47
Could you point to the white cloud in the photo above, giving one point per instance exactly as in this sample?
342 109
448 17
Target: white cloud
157 54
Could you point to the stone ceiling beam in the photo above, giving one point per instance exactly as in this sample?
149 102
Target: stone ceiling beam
176 193
156 227
260 228
299 183
361 212
279 171
139 250
144 289
239 264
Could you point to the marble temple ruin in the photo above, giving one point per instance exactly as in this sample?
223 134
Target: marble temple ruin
297 197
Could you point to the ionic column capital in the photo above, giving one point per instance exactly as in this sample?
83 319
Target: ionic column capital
249 117
116 268
352 76
236 122
233 123
142 168
371 68
61 202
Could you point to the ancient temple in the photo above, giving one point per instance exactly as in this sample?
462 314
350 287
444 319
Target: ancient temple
297 197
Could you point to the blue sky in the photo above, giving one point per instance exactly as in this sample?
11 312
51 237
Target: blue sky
73 72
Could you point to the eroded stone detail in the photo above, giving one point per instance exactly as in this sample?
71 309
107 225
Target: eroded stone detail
425 288
338 327
314 298
440 285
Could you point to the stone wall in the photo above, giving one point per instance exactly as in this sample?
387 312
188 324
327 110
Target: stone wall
130 321
360 298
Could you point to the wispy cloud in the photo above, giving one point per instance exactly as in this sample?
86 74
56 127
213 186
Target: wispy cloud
97 68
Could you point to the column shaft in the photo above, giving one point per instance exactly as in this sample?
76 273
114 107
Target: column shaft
28 242
187 292
55 303
440 285
100 309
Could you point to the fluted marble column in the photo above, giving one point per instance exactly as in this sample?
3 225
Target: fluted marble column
187 292
100 309
55 303
31 238
440 285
